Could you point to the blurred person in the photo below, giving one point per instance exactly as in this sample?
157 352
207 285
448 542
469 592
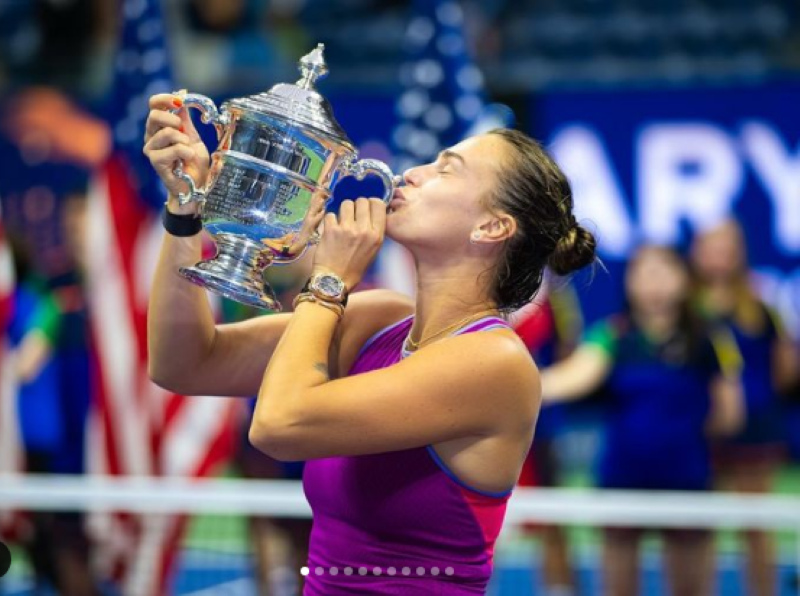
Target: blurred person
748 461
669 384
551 328
73 347
414 420
56 545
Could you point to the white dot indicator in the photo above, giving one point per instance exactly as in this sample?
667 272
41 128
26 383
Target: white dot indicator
420 571
449 571
304 571
362 570
334 571
377 571
391 571
348 571
406 571
319 570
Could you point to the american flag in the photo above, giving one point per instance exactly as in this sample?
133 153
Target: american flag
442 101
136 427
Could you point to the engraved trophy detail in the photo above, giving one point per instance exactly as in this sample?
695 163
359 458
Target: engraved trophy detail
280 155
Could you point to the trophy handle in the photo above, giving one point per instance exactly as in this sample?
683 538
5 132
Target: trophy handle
364 167
209 115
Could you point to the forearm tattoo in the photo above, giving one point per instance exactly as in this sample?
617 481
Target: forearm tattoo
322 368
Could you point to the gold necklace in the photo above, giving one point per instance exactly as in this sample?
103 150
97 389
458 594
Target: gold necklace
413 346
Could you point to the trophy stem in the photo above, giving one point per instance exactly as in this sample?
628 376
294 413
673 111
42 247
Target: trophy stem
236 272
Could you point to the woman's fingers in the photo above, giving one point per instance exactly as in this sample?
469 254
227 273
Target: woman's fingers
164 159
363 215
347 213
158 120
165 101
166 110
166 137
378 215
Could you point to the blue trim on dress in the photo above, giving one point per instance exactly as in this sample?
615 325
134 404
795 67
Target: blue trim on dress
461 483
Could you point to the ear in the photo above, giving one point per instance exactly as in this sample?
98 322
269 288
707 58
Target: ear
499 228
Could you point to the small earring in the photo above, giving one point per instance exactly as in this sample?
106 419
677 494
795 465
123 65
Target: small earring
475 237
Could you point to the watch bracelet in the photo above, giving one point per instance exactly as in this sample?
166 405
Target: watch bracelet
336 307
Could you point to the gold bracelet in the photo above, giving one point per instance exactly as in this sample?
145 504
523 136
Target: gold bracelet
309 297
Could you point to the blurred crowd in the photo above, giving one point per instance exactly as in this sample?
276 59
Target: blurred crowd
521 45
691 382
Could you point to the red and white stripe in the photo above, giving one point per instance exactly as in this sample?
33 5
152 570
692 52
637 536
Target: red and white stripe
137 428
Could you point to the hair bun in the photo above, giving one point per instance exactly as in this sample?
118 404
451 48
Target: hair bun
574 250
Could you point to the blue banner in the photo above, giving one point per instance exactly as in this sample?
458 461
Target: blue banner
659 165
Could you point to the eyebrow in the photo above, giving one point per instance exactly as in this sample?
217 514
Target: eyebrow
450 154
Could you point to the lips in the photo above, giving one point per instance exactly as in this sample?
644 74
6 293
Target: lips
397 200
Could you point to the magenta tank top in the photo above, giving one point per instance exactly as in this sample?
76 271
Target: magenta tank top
398 522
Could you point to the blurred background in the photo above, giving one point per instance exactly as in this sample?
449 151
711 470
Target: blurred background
675 120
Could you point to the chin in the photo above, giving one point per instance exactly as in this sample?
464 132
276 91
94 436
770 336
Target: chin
395 231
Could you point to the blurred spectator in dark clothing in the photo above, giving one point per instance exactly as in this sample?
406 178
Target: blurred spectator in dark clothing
55 543
670 383
748 461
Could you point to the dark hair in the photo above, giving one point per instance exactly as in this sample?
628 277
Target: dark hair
535 192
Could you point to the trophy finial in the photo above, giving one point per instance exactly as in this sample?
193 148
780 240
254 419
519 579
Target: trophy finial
312 67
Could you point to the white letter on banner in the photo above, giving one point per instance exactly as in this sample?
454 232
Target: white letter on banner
686 172
598 197
779 172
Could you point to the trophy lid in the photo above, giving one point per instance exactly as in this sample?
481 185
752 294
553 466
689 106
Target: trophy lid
300 102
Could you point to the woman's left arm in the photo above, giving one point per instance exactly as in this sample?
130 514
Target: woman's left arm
469 385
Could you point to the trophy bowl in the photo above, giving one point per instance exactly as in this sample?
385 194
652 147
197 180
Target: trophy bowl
280 154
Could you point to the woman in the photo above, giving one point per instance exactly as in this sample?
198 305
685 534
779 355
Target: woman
415 418
748 461
666 390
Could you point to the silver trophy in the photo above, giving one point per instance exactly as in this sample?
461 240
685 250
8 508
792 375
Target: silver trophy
280 154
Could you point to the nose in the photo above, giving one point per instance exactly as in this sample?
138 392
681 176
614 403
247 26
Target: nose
411 176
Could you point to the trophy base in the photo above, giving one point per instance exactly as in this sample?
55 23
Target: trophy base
236 273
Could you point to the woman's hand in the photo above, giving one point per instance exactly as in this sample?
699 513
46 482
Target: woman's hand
170 137
351 241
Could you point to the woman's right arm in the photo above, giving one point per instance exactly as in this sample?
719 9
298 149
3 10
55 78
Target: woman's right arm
188 352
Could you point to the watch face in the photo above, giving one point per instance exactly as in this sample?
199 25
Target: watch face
329 285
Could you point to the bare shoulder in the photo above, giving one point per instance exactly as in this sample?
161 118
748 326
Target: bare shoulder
367 313
495 363
502 354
